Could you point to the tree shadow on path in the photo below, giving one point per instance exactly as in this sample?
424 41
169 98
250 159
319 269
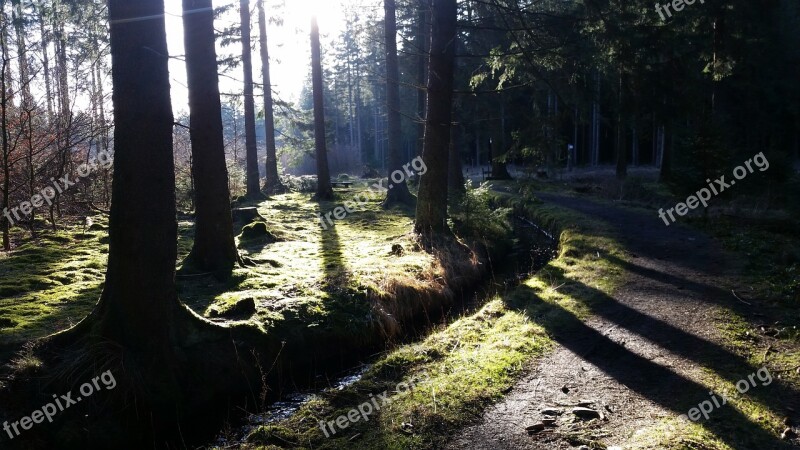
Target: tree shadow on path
678 260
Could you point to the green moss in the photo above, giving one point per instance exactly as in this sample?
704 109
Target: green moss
50 283
472 361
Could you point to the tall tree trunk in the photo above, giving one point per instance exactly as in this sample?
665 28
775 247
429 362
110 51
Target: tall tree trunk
499 150
398 191
9 79
22 56
26 108
665 175
63 68
45 36
622 149
455 175
4 139
253 176
214 247
273 183
324 188
432 201
595 148
423 47
139 298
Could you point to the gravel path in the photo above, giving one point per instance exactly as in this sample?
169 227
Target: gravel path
639 357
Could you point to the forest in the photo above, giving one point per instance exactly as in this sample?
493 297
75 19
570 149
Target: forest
400 224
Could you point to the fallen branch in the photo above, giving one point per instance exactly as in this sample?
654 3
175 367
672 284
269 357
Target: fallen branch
738 298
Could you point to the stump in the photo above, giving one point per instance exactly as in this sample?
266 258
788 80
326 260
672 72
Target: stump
258 231
247 215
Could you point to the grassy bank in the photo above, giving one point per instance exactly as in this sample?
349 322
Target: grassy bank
468 364
330 295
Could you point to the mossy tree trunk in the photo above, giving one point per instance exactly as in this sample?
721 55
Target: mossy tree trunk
324 188
431 216
398 192
214 247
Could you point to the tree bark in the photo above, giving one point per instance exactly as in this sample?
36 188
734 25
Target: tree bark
455 177
423 39
498 162
46 60
273 183
4 138
214 248
398 191
431 216
324 188
665 174
253 176
139 298
622 149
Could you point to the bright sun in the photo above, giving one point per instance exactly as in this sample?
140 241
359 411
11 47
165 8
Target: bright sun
288 43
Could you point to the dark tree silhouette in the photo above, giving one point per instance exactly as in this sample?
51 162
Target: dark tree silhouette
273 183
455 176
214 247
324 188
170 363
398 192
432 198
253 177
139 301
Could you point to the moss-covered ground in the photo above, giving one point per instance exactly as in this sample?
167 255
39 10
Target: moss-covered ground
311 279
467 364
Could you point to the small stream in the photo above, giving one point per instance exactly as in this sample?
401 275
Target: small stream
283 409
532 250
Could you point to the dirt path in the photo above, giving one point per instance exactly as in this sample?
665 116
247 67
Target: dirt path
639 358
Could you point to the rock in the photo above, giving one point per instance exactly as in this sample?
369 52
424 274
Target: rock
788 434
243 308
549 421
586 413
552 412
535 428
